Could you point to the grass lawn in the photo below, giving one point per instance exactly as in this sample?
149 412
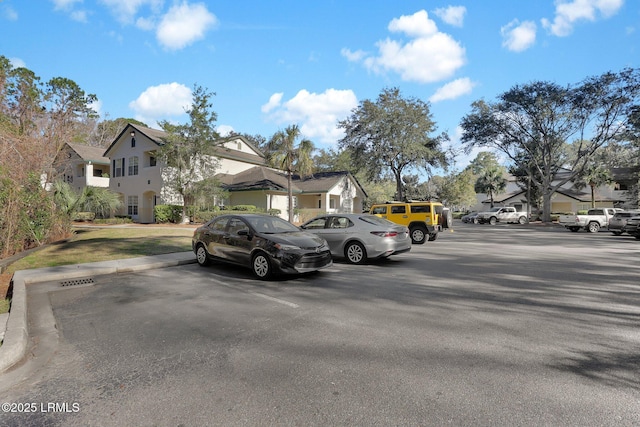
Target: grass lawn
105 244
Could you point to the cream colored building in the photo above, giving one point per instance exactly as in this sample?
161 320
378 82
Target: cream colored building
81 165
137 176
567 198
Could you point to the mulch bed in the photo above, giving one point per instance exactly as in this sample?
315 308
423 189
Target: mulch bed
5 282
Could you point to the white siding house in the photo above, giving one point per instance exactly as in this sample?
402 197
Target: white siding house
81 166
137 173
137 176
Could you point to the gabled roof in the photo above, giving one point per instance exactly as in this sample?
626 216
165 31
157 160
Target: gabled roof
257 178
158 136
89 153
263 178
323 181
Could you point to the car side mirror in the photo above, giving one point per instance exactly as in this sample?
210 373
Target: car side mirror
244 232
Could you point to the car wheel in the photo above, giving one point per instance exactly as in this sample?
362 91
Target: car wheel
202 256
418 235
593 227
261 266
493 220
522 220
446 218
475 220
355 253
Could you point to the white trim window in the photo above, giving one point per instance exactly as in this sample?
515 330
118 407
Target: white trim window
132 205
133 165
118 168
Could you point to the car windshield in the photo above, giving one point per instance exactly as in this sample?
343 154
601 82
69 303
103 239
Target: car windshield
271 224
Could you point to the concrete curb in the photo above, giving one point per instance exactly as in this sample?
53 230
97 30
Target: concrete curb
16 337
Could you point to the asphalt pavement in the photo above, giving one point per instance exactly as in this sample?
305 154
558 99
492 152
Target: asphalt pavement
16 334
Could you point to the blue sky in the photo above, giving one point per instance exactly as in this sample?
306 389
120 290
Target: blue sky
276 63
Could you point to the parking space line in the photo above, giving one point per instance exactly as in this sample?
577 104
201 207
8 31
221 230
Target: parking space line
278 300
267 297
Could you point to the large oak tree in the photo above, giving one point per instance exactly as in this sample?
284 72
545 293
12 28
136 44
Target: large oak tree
532 123
392 136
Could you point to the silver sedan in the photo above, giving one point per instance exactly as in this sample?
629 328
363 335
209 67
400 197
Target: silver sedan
358 237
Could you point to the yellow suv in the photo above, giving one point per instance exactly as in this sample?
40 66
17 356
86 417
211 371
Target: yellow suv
422 218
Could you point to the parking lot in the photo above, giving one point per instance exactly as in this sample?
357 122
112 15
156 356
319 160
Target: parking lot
503 325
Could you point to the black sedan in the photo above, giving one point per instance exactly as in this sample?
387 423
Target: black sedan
266 244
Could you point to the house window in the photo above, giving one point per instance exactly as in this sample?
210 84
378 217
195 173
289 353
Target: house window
97 172
332 203
320 204
133 165
118 167
152 161
132 205
133 143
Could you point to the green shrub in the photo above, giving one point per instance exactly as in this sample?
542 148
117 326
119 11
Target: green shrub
84 216
274 212
168 213
120 219
244 208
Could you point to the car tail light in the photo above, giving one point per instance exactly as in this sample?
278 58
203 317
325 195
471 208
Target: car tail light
385 233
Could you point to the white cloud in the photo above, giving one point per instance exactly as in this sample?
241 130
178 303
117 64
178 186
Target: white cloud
69 6
79 15
452 15
274 102
9 13
569 12
64 4
224 130
126 10
517 36
351 56
158 102
97 107
183 24
317 114
453 90
17 63
429 56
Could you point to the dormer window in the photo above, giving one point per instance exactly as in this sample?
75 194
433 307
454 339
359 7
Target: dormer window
133 139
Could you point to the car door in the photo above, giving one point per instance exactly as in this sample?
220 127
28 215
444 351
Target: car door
237 241
336 232
213 236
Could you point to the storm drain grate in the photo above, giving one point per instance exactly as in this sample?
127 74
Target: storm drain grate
87 281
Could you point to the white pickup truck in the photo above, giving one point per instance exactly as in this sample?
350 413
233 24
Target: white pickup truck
507 214
593 221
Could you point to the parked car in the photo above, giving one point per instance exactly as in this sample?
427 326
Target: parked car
593 221
506 214
470 218
619 220
358 237
424 219
266 244
632 227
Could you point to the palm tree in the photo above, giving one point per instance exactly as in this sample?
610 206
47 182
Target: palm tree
594 176
282 152
491 181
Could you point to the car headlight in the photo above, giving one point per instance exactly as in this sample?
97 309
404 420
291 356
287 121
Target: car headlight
284 247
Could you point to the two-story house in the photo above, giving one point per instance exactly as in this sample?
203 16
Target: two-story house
137 176
81 166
